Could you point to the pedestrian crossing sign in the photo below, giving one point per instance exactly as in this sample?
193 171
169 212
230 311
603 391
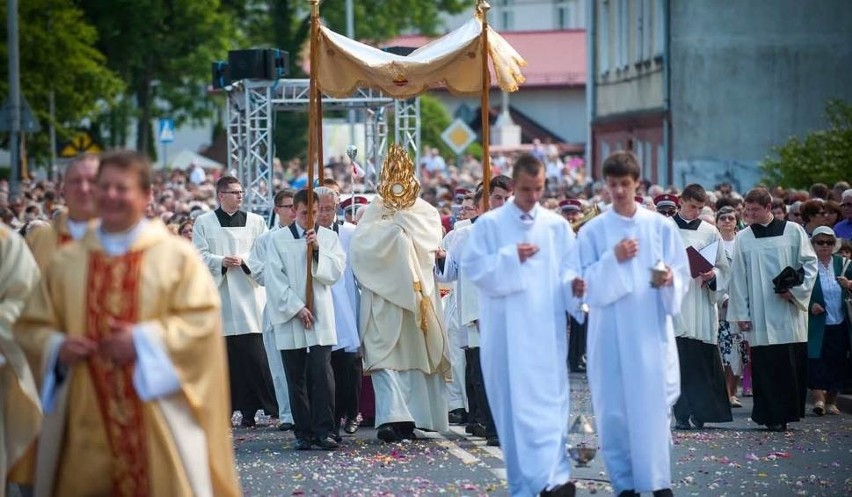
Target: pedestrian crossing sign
167 130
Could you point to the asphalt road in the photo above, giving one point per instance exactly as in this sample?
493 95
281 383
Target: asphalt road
813 458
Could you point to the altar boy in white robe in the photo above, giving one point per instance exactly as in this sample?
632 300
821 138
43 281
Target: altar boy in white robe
305 335
632 357
703 394
776 323
523 259
285 212
224 238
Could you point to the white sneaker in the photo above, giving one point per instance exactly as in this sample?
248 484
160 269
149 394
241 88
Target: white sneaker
735 402
832 409
819 408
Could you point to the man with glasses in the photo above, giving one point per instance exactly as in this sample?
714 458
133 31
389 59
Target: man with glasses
285 211
225 238
843 229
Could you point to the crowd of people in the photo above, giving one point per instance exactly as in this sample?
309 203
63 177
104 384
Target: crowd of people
450 302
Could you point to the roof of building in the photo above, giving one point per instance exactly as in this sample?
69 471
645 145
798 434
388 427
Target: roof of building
554 58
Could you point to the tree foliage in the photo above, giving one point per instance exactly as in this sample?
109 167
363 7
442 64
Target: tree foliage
434 119
823 156
162 49
58 53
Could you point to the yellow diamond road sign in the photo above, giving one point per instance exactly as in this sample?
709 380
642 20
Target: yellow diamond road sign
458 136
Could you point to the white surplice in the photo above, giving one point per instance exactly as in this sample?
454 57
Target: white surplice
524 342
632 360
347 298
257 258
242 298
456 334
699 314
286 274
756 261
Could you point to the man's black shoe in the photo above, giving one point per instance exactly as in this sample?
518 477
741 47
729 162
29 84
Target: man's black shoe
492 442
327 443
337 438
468 428
248 422
696 422
405 430
285 426
386 433
302 444
479 430
564 490
350 427
777 427
628 493
457 416
666 492
682 424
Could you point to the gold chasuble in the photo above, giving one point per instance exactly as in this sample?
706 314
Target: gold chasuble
101 438
47 240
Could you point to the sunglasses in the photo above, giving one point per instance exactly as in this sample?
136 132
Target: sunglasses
727 218
667 212
824 243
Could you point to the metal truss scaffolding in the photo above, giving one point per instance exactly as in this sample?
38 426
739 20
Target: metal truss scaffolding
252 105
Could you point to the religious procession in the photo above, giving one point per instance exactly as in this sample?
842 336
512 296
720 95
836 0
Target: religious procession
533 320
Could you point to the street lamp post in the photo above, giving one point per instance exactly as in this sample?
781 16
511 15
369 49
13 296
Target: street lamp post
14 96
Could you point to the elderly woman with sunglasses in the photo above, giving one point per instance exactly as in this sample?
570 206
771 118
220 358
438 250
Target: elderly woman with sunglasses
733 346
828 323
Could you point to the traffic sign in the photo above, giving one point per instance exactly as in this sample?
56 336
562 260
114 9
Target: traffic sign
80 143
29 122
458 136
167 130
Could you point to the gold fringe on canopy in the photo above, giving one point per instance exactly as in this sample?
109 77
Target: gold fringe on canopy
455 60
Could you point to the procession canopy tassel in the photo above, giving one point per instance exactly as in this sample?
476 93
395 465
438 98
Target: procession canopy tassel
482 8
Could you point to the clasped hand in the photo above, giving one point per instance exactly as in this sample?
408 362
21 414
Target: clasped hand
526 250
117 346
306 317
232 261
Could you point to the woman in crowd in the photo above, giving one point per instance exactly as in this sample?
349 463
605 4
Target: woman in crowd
813 215
828 332
732 345
833 215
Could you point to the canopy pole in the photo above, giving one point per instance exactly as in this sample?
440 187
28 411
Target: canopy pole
313 119
482 8
320 160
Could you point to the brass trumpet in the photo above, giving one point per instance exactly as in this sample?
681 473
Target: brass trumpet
590 214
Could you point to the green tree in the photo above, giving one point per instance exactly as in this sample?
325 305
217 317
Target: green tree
162 49
58 53
823 156
434 119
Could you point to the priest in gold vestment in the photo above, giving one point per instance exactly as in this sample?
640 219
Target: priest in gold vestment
77 190
20 411
124 337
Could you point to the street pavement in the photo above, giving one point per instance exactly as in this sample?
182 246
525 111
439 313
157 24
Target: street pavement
813 458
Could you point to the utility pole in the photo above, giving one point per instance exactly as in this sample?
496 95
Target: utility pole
14 96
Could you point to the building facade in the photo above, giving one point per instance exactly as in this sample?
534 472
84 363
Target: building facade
702 90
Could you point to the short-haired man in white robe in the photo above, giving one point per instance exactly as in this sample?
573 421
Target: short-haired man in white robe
775 321
305 333
703 394
632 361
523 259
225 238
345 356
285 213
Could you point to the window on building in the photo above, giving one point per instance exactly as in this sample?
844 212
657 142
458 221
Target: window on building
563 15
603 38
507 15
647 30
623 36
640 29
662 166
659 27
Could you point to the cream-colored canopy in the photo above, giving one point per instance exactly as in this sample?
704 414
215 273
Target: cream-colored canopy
454 60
